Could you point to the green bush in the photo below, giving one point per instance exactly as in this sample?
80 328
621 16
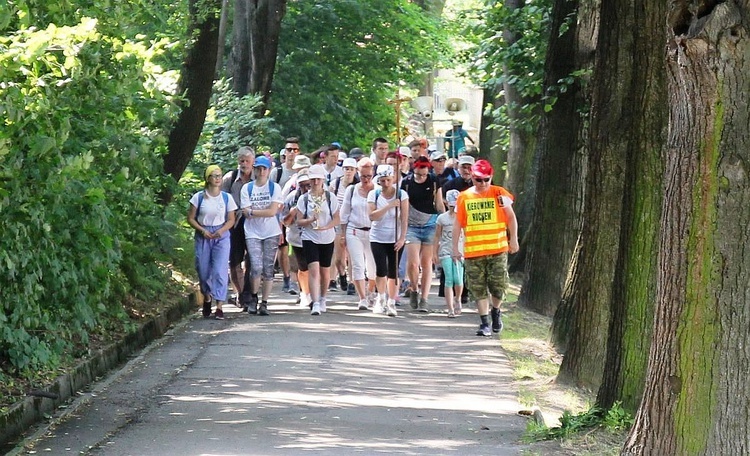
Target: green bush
80 168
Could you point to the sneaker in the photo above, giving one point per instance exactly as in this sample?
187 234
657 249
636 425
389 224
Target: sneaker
285 287
315 309
219 315
484 330
252 306
332 286
362 304
350 290
371 299
293 290
305 300
423 306
497 320
343 283
413 300
206 309
323 304
390 308
263 309
378 307
457 306
451 314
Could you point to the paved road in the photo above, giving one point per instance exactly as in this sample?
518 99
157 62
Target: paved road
346 382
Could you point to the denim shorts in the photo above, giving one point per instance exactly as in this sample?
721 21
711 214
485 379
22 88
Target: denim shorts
420 234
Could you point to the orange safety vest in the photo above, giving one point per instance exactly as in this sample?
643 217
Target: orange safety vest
483 219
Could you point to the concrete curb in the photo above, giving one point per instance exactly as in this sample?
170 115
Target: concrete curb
35 408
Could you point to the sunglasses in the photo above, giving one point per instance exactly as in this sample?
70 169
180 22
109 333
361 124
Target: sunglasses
481 179
292 149
215 176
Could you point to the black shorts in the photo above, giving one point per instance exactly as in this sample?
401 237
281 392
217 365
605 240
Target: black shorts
283 232
237 244
386 259
318 253
299 255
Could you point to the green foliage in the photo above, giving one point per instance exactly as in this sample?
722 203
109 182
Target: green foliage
341 60
615 419
510 47
231 123
80 166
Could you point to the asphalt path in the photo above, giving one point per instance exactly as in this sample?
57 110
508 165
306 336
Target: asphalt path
346 382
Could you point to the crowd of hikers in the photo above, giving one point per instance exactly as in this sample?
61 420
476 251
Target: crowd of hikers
376 225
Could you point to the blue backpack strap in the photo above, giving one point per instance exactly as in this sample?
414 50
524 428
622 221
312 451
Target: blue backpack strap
200 203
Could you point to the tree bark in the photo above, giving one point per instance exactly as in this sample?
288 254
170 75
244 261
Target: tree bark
257 25
196 83
697 396
222 39
520 175
632 305
558 204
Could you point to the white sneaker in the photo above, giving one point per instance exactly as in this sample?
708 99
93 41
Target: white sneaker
378 307
372 298
323 304
304 300
316 309
362 304
390 308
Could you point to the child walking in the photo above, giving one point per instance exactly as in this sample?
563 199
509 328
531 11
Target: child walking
453 270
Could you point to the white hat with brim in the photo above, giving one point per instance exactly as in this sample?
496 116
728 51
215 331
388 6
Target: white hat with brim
317 172
301 161
349 162
384 171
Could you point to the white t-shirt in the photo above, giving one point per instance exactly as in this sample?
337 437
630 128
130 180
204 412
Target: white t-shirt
384 230
355 212
261 198
333 175
286 173
213 211
293 231
325 217
445 249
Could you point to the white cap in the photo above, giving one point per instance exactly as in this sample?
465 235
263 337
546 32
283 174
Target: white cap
384 171
349 162
451 197
465 160
405 151
317 172
437 155
303 176
342 155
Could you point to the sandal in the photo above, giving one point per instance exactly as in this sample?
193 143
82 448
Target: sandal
451 314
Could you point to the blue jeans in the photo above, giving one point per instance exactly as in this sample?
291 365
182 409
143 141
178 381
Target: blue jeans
211 261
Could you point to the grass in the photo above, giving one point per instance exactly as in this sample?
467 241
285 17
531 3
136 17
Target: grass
570 426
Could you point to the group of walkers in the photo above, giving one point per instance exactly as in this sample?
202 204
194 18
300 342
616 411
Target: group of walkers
382 221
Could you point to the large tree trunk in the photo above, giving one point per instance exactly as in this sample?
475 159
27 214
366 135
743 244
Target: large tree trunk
489 138
632 307
196 82
257 25
558 204
520 175
589 295
697 397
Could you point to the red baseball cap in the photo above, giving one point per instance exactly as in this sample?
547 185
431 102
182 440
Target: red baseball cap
482 168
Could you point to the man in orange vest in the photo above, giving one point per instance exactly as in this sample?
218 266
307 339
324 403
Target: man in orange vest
484 213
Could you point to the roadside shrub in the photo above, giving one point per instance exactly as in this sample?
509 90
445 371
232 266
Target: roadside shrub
80 165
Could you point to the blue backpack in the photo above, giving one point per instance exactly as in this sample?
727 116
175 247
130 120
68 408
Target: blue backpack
224 195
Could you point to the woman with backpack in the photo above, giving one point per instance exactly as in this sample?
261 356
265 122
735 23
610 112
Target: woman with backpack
425 204
261 200
318 215
388 210
294 236
211 213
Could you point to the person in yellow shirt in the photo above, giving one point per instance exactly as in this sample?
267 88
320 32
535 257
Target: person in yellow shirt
484 213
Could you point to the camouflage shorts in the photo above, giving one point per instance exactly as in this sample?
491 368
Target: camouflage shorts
487 274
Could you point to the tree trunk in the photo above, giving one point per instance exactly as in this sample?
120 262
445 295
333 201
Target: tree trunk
632 306
558 204
257 25
697 396
520 175
590 293
196 82
223 23
489 139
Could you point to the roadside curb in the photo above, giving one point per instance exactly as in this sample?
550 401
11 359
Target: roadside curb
40 403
